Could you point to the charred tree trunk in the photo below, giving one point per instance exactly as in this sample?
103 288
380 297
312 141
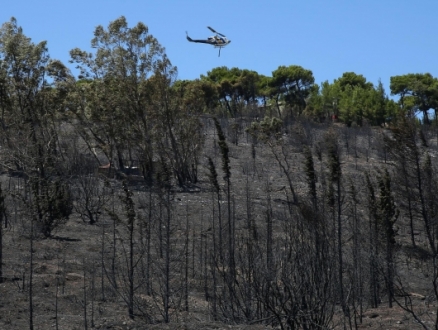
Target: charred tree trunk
2 216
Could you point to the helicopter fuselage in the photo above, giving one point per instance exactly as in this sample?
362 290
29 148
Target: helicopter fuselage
217 41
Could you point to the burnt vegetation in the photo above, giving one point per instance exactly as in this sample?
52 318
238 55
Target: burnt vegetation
131 199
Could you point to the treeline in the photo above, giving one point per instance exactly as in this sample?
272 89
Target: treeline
291 91
312 248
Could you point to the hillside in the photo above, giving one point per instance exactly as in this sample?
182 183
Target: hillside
270 248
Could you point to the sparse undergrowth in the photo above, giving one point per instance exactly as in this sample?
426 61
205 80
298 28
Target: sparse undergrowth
82 272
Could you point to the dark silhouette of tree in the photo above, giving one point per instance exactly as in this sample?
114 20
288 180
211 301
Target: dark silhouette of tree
311 179
335 179
405 147
231 272
388 215
373 240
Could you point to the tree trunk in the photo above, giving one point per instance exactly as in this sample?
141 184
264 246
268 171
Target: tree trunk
31 274
84 289
167 261
1 246
186 264
131 269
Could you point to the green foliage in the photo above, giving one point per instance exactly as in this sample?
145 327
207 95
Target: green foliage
198 96
134 96
177 133
352 80
353 100
129 56
24 67
323 101
236 87
359 100
30 106
292 84
417 91
264 89
269 127
124 59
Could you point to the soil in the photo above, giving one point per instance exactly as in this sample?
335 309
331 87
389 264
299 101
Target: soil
59 261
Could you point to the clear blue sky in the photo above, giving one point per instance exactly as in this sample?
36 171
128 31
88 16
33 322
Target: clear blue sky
375 38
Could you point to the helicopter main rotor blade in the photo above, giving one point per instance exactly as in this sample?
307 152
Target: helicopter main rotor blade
214 31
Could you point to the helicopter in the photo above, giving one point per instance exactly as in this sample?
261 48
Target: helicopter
218 40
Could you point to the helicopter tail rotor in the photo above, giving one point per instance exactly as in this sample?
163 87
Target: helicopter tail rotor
188 38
